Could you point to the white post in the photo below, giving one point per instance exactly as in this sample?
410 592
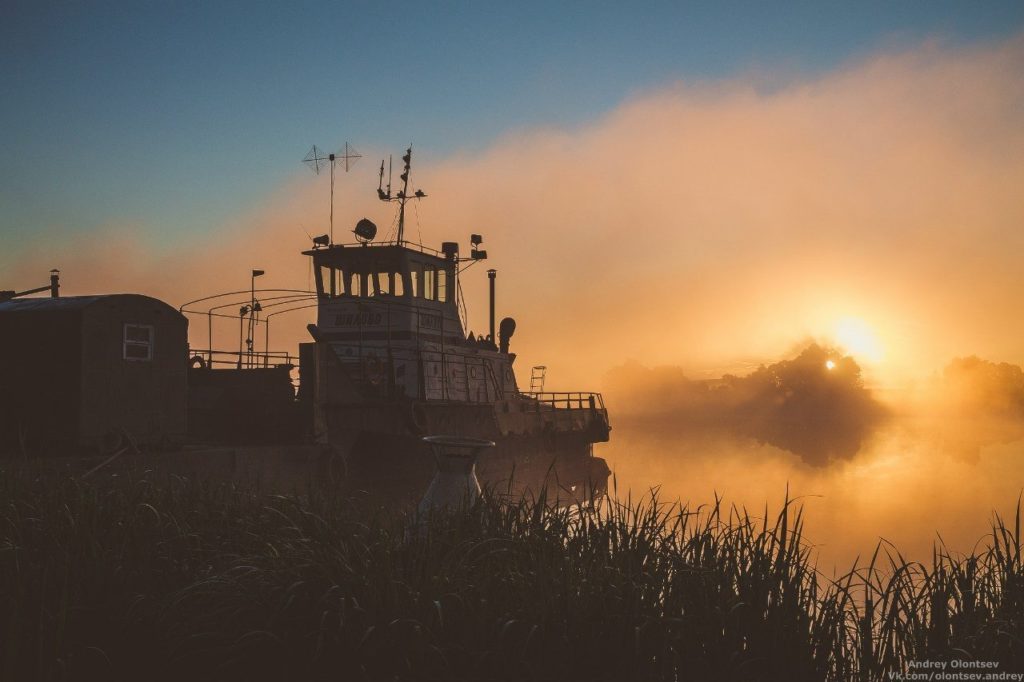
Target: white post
455 482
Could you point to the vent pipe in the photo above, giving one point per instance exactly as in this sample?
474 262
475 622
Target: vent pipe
491 274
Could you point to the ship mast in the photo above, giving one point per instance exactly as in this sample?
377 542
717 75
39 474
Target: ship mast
317 161
403 194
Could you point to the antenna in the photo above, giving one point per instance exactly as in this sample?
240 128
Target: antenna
317 161
403 194
350 156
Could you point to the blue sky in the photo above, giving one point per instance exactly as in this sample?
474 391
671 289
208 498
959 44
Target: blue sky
176 116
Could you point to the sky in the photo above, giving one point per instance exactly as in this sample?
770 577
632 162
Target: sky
174 117
728 181
688 190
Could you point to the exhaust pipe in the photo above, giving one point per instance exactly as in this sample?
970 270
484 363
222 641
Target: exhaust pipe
491 274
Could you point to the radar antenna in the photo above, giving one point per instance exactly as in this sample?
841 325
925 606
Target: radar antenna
318 161
403 194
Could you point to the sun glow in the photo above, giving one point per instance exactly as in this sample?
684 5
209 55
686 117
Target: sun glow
829 364
857 338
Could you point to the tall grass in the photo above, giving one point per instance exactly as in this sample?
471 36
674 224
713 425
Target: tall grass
148 577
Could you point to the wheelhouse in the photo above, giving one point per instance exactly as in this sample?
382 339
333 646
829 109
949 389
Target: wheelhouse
358 271
387 292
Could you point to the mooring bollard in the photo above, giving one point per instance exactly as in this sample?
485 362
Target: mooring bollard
455 482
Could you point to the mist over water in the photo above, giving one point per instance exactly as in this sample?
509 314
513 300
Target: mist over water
931 464
710 228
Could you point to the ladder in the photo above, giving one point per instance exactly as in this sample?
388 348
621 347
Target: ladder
537 378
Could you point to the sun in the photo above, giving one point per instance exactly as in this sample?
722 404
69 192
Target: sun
857 338
830 364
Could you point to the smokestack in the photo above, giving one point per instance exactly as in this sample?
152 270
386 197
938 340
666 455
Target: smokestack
54 283
491 275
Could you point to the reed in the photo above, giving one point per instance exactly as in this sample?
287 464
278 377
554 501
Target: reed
143 576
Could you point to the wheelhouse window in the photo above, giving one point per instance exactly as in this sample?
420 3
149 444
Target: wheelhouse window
356 284
389 276
388 283
330 282
429 282
138 342
416 288
333 281
324 281
442 285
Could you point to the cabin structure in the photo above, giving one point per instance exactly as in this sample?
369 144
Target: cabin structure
389 316
391 361
83 374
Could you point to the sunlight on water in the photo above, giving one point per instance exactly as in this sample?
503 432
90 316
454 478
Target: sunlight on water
912 483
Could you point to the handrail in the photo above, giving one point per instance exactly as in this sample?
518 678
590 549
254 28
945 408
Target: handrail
247 292
412 246
573 400
213 357
290 297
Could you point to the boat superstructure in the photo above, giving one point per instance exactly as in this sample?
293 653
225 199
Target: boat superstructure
389 361
393 362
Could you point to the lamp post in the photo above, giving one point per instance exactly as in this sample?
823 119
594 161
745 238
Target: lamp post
254 308
209 327
242 312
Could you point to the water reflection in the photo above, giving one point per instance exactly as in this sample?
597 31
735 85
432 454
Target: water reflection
915 468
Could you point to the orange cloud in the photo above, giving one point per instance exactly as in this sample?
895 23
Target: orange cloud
710 226
697 224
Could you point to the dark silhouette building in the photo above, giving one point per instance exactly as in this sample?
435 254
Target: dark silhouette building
91 373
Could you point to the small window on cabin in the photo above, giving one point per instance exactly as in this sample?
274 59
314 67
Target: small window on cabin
324 280
331 282
396 284
354 284
429 283
138 342
383 283
415 279
442 285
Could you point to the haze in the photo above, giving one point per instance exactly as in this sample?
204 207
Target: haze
710 226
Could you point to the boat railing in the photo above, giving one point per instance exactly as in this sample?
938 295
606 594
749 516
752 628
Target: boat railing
207 358
569 400
414 246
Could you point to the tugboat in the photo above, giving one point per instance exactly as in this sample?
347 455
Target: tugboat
391 362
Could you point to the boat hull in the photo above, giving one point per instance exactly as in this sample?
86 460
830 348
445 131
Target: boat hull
383 451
